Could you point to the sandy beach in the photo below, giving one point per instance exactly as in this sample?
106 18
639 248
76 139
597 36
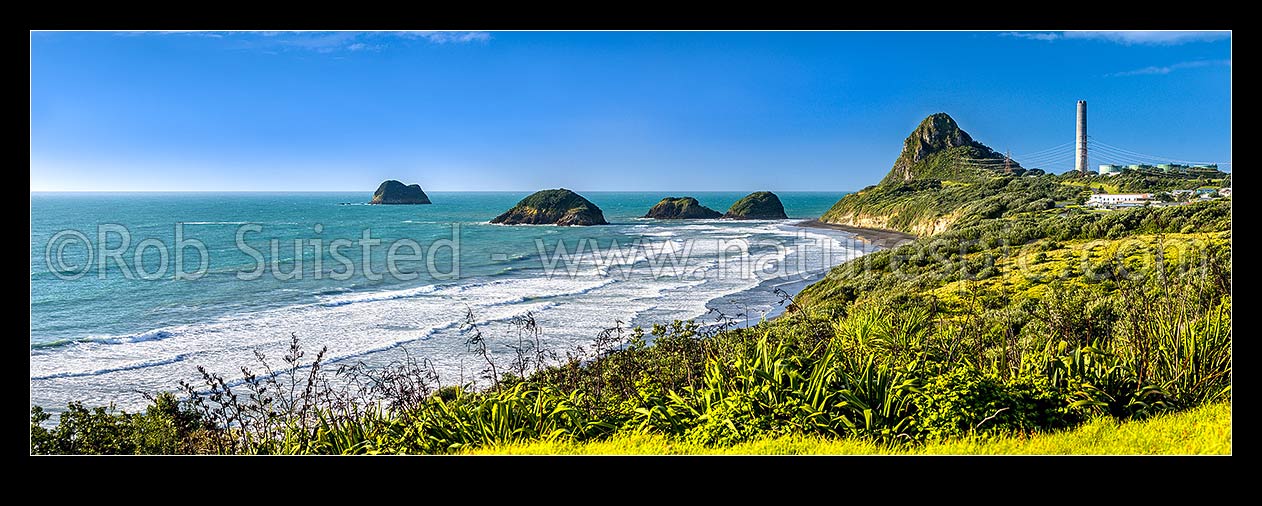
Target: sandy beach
880 237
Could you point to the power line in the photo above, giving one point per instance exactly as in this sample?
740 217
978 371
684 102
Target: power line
1067 158
1027 160
1143 155
1121 159
1132 157
1119 155
1033 154
1128 157
1065 152
1048 159
1063 156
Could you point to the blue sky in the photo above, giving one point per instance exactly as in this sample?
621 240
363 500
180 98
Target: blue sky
645 111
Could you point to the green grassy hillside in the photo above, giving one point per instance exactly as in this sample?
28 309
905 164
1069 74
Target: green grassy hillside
927 207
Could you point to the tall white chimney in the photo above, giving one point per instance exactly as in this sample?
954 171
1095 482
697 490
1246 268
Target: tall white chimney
1080 160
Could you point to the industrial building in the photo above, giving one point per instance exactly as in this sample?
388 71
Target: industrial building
1178 168
1119 199
1109 169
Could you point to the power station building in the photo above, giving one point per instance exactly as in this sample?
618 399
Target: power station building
1119 199
1109 169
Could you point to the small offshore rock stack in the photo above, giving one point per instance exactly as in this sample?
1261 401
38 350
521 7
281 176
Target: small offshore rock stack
757 206
553 207
681 208
394 192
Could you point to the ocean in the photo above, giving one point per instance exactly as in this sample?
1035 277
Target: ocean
130 292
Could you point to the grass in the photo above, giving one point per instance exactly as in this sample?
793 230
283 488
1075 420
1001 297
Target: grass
1205 430
1030 268
1108 187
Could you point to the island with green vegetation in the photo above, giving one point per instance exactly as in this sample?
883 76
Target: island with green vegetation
553 207
681 208
393 192
1017 321
757 206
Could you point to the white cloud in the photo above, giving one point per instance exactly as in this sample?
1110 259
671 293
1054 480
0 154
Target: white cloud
195 33
358 41
320 42
1162 70
1128 37
1033 35
1151 37
445 37
330 42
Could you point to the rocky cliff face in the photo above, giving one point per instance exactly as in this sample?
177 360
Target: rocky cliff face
394 192
757 206
920 227
553 207
939 149
681 208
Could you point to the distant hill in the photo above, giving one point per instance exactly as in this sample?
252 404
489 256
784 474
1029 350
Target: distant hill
941 177
939 149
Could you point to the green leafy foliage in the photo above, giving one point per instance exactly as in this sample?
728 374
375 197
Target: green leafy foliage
165 427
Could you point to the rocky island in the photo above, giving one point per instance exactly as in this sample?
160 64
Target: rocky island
553 207
681 208
394 192
757 206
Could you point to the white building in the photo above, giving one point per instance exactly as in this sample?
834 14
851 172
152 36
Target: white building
1226 192
1119 199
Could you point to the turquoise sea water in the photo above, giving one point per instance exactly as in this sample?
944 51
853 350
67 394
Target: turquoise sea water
100 335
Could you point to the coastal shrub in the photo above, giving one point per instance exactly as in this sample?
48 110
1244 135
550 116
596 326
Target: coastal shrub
165 427
966 402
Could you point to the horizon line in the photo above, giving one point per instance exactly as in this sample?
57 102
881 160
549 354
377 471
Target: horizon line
427 191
